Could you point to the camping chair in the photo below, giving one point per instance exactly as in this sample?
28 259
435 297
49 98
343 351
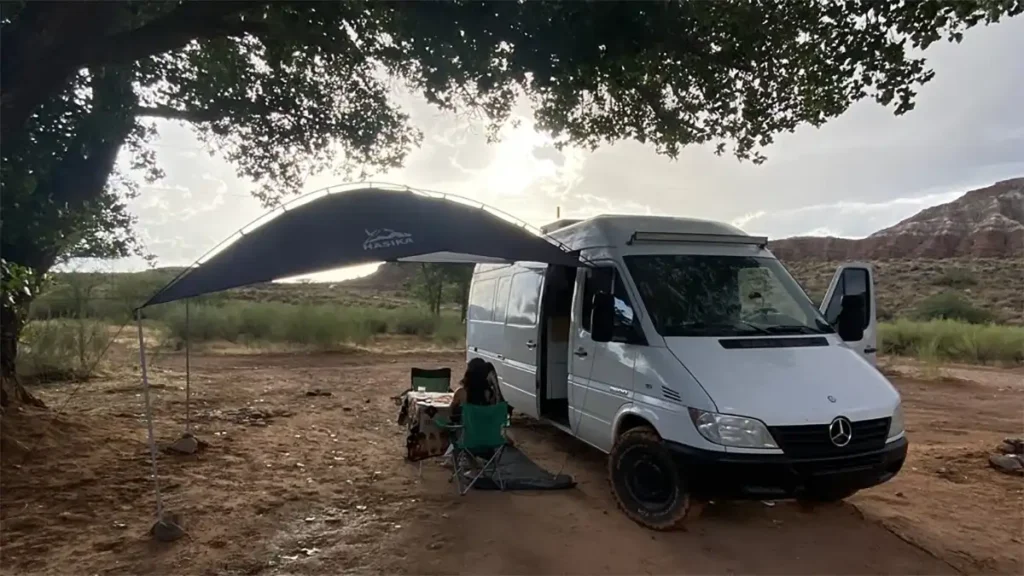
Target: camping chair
482 430
436 380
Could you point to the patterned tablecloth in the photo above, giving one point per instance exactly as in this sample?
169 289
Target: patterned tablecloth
418 411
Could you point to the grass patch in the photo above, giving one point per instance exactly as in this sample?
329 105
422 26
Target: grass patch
51 350
953 341
316 325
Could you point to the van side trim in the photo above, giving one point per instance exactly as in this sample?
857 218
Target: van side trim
741 343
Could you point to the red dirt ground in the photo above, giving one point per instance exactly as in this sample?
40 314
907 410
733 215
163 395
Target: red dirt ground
309 484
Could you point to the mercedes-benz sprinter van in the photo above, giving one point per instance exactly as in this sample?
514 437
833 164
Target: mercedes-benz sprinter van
686 351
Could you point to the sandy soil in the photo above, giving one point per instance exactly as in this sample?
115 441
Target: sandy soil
297 484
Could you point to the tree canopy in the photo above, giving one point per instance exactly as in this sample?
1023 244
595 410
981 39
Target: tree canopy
284 90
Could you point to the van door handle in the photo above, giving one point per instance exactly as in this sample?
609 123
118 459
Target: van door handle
580 352
530 344
501 356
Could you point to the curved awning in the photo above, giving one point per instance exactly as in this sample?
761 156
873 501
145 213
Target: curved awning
363 226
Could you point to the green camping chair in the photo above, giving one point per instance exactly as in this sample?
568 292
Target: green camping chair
437 380
482 431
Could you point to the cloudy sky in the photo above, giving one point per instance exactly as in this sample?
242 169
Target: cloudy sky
863 171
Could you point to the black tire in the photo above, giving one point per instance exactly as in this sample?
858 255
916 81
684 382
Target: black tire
640 453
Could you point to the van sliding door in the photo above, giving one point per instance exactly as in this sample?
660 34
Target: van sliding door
521 340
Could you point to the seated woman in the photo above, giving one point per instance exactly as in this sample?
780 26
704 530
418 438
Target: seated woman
479 386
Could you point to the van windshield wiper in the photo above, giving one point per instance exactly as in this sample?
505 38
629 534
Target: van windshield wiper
738 325
792 329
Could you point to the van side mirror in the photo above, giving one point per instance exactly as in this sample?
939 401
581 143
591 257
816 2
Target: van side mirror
602 317
851 324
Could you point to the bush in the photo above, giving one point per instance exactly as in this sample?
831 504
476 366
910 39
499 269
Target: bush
951 306
956 278
51 350
948 340
318 325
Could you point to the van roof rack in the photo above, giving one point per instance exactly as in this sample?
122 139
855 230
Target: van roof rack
639 237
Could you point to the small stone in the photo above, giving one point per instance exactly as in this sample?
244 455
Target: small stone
900 495
311 519
185 445
435 545
1012 446
1008 464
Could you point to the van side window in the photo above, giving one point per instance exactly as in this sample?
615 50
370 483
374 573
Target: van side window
524 298
481 300
597 280
606 279
501 298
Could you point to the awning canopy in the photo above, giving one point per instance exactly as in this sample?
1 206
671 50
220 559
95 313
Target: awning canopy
362 226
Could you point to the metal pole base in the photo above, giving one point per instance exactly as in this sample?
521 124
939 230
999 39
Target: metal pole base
167 530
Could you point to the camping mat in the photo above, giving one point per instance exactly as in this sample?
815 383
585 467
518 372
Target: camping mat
518 472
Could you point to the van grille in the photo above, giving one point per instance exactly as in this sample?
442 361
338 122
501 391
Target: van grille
813 441
670 394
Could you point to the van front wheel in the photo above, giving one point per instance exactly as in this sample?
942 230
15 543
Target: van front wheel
646 483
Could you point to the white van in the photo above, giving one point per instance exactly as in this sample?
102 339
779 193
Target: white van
688 353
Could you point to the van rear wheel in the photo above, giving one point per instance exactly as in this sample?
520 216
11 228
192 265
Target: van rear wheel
646 482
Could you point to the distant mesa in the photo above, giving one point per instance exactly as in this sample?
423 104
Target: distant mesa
983 223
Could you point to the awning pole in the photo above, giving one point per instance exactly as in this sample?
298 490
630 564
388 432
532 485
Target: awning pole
188 373
149 420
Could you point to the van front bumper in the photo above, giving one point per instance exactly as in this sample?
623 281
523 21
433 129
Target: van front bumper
725 475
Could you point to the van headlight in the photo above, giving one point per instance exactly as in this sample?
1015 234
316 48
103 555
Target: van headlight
896 424
736 431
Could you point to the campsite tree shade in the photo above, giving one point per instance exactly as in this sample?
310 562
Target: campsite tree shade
284 90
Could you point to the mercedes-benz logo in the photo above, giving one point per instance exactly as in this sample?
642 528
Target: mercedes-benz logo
840 431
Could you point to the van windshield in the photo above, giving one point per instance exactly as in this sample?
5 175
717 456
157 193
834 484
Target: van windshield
698 295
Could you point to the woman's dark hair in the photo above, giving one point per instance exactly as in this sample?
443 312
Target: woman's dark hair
475 381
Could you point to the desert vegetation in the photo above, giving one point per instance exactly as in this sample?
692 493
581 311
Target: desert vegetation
942 311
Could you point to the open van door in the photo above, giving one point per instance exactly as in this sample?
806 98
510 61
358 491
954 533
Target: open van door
853 289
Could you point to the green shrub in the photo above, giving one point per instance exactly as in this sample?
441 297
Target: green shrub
318 325
956 278
949 340
61 349
951 306
450 330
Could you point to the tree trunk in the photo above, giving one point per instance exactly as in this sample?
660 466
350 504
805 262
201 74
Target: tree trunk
11 390
438 296
463 300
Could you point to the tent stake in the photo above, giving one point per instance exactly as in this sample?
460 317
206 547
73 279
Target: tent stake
149 421
188 373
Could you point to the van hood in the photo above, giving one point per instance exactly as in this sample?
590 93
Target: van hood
790 385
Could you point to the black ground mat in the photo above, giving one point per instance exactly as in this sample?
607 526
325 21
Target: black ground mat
518 472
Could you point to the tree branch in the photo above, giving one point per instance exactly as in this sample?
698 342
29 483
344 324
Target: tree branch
169 113
191 21
21 92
